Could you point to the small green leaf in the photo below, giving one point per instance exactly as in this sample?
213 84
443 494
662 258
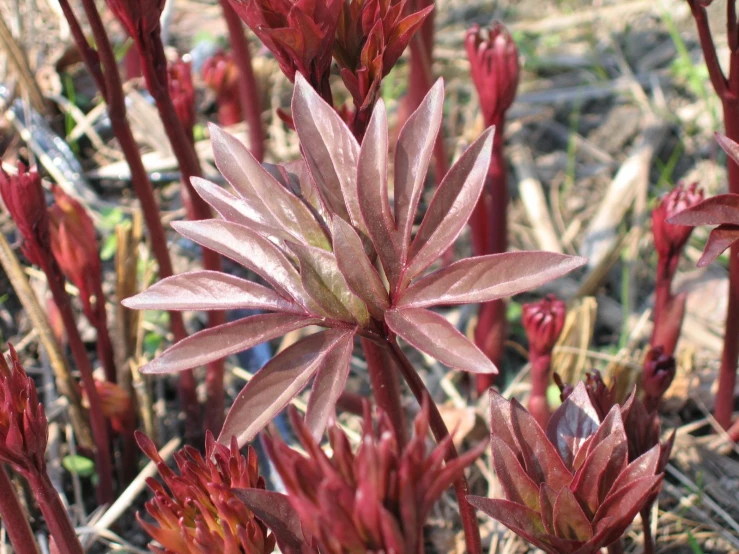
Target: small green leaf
109 247
84 467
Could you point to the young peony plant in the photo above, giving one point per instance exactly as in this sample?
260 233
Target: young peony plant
312 229
570 489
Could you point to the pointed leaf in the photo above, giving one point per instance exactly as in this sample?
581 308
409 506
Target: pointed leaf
209 290
521 520
623 504
328 386
570 522
273 386
372 192
412 156
501 424
587 485
645 465
452 205
721 238
547 499
251 180
541 460
487 278
517 485
729 146
717 210
433 334
223 340
248 248
326 285
275 511
330 150
572 424
357 269
237 210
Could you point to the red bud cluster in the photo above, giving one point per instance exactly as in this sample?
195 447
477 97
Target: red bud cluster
197 510
543 322
75 249
300 34
23 426
571 489
374 500
657 375
182 91
495 69
222 76
669 240
23 196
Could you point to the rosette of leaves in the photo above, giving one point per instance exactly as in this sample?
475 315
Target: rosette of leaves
335 253
570 489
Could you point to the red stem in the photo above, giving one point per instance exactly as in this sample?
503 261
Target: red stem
662 297
727 376
98 423
154 67
14 518
490 231
647 528
110 86
385 387
440 431
104 344
720 84
538 405
55 516
248 90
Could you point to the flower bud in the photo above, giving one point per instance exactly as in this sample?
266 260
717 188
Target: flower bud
495 69
222 76
658 372
182 92
23 196
138 17
23 425
543 322
670 239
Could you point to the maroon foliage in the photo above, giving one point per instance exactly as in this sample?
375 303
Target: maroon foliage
300 34
659 370
139 17
571 489
221 75
182 91
306 228
199 510
376 499
543 322
23 196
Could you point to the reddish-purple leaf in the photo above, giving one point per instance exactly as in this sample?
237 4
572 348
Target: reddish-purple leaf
278 515
729 146
569 521
326 285
223 340
273 386
251 180
328 386
645 465
412 155
521 520
360 274
541 460
209 290
237 210
487 278
589 478
517 485
372 192
547 499
721 238
250 249
623 504
451 206
501 424
330 150
572 424
433 334
717 210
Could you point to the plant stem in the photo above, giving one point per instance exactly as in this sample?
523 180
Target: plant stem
248 90
490 232
616 548
154 66
110 86
647 528
55 279
385 387
538 406
440 431
14 518
104 344
55 516
727 376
